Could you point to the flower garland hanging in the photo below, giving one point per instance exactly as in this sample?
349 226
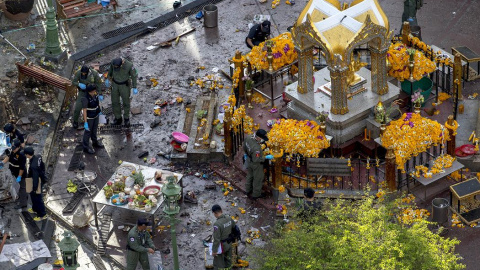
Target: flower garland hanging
283 50
411 135
297 137
239 115
398 56
453 127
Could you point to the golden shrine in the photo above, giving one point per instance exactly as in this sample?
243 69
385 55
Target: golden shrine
337 29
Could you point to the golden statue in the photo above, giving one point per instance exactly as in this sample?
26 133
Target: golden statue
354 66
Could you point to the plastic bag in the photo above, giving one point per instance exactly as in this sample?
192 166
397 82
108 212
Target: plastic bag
14 188
155 260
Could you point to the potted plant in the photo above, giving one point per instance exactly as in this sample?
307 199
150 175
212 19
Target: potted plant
322 118
417 100
17 10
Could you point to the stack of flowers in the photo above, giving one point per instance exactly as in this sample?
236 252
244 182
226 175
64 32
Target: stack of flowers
398 56
283 52
411 135
258 98
297 137
441 162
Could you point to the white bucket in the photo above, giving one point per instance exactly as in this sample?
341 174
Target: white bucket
45 266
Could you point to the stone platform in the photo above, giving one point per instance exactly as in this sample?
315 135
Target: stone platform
188 124
341 127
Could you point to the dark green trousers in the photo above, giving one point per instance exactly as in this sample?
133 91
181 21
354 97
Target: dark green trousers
134 257
120 91
78 105
223 261
255 176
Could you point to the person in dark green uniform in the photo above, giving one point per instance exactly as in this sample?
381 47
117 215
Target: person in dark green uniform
410 8
82 78
254 158
121 73
139 245
222 228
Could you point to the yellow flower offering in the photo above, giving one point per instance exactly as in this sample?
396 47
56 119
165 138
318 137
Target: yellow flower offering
411 135
283 51
398 57
297 137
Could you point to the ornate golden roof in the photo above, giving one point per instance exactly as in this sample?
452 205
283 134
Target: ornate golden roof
337 24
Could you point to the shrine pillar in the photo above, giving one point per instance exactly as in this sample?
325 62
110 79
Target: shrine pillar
227 122
305 70
338 76
379 70
457 75
452 132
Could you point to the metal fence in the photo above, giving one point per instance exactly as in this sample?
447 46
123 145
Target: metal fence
365 173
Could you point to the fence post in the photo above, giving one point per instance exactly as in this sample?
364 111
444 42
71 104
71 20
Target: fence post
452 133
390 169
405 32
277 178
457 73
227 128
241 84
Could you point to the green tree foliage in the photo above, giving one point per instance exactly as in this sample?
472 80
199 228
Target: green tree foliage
364 234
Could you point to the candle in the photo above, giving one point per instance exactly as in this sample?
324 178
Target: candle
365 134
472 136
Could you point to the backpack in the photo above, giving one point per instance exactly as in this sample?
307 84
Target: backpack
234 235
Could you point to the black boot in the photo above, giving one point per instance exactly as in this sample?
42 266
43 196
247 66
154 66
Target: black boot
98 144
118 121
75 125
127 122
89 150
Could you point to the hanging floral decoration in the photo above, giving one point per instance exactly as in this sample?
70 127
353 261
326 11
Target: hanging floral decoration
239 115
297 137
398 56
411 135
283 50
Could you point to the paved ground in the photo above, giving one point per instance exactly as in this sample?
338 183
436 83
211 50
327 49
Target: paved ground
444 23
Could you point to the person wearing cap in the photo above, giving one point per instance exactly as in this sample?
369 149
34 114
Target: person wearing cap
13 133
82 78
254 158
36 171
91 111
139 245
258 34
17 162
222 228
121 72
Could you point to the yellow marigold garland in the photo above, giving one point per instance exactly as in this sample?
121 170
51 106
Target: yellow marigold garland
237 117
235 78
298 137
258 98
283 50
411 135
454 127
443 96
398 57
441 162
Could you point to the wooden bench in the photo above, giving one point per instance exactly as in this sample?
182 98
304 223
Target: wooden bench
67 9
36 72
